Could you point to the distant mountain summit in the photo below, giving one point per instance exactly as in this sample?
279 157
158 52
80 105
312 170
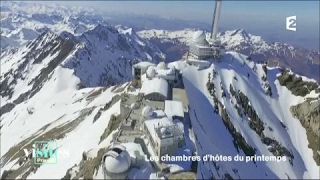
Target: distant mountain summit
302 61
99 57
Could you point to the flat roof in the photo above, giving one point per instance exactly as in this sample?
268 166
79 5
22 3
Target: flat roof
165 72
173 108
159 113
201 46
153 124
144 64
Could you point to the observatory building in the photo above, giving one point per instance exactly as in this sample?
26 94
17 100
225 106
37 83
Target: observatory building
164 135
152 71
139 69
202 49
199 47
116 163
156 89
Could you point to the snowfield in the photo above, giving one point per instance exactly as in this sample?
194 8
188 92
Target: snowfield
57 103
60 102
213 138
64 72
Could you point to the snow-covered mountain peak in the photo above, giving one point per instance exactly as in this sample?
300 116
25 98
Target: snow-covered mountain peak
241 38
100 31
37 8
129 31
99 57
240 33
302 61
47 38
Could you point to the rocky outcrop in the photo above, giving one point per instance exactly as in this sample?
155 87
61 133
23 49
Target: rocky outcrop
308 114
297 85
239 141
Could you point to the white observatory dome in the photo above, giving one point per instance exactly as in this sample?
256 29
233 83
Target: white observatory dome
147 112
199 37
134 105
151 72
162 65
117 160
163 130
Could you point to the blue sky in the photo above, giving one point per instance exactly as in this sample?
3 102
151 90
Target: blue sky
202 10
234 13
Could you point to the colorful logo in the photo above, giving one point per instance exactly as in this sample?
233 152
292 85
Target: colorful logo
45 152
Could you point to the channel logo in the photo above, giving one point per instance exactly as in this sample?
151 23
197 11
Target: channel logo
291 23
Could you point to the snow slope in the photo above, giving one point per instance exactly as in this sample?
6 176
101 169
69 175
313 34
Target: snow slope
61 108
54 86
99 57
213 137
56 104
62 71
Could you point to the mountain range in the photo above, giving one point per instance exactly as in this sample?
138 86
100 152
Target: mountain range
65 71
300 60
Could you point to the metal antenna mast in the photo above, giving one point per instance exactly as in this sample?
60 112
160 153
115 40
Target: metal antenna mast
213 16
215 19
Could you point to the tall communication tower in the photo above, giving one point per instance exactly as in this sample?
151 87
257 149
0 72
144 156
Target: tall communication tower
214 42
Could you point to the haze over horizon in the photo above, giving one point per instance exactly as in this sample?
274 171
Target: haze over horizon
266 18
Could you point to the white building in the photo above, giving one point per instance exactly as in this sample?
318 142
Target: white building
162 71
162 65
116 163
149 113
159 114
174 110
142 66
200 48
164 136
199 63
155 89
139 69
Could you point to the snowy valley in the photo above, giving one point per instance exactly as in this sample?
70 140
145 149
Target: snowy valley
67 75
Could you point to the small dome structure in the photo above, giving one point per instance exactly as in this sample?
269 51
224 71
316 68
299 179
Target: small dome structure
171 71
162 65
117 160
163 130
134 105
199 37
147 112
151 72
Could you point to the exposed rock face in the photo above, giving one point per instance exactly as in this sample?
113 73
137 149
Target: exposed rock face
296 85
308 113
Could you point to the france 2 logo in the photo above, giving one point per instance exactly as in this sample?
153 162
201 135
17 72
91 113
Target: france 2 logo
291 23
